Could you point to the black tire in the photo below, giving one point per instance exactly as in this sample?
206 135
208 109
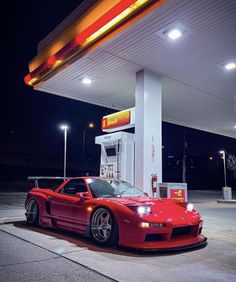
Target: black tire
32 212
103 227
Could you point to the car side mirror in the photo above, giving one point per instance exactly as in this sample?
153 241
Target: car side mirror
146 194
83 195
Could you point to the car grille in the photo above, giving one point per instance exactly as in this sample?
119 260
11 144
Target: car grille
153 237
181 231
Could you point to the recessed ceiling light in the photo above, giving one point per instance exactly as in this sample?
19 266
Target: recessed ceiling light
86 80
174 30
230 66
235 126
174 34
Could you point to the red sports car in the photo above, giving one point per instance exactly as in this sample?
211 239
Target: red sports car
113 212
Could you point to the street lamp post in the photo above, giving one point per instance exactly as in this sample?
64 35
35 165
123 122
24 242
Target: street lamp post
83 146
65 128
227 191
223 156
90 125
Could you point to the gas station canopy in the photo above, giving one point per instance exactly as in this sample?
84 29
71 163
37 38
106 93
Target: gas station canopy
197 90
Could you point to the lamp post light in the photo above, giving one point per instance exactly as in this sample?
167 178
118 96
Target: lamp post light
223 156
65 128
90 125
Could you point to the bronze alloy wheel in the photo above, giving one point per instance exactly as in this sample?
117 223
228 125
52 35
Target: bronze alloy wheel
103 227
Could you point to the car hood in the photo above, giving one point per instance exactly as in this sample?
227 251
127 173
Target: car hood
160 204
132 200
162 210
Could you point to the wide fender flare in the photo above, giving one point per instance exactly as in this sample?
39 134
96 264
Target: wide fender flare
123 215
40 198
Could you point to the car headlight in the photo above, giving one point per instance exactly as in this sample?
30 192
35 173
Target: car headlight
141 210
144 210
189 207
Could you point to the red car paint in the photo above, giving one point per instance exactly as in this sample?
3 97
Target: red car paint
73 213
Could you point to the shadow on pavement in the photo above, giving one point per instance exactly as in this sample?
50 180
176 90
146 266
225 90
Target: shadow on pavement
83 242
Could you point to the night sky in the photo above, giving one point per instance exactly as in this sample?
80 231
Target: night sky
31 141
30 118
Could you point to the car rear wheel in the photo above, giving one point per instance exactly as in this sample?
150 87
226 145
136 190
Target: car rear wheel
103 227
32 212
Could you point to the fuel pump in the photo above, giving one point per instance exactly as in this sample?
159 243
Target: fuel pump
117 155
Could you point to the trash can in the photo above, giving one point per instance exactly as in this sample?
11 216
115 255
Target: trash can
227 193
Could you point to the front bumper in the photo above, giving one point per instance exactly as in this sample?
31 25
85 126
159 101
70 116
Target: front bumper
168 237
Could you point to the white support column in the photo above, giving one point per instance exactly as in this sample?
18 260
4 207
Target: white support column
148 129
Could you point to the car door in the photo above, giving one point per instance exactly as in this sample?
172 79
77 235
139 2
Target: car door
67 209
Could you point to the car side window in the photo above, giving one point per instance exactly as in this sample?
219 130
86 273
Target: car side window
74 186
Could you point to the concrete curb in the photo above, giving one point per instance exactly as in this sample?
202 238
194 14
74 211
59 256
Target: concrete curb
4 220
226 201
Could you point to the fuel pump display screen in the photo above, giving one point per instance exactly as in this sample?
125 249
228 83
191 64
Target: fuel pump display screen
111 151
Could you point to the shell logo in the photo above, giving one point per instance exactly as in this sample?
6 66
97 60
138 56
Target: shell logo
178 194
116 120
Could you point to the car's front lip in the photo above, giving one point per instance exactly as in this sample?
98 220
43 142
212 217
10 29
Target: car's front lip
170 248
183 243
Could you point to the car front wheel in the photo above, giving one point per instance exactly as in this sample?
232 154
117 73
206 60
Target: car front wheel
103 227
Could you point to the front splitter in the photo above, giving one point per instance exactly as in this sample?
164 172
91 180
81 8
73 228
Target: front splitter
172 250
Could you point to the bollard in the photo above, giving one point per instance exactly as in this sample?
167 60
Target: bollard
227 193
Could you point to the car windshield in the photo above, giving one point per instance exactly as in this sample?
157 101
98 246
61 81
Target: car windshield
107 188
